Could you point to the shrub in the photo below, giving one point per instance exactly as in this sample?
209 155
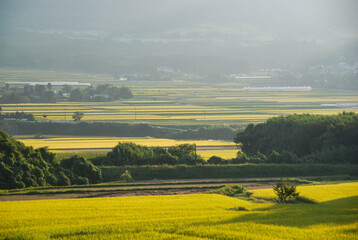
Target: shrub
129 154
126 177
182 150
240 158
240 209
230 190
164 158
216 160
285 190
258 158
187 159
83 168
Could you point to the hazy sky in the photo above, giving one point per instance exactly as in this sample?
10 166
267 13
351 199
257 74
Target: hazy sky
220 26
281 19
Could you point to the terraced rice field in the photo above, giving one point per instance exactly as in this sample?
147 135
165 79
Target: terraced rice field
155 112
198 216
182 102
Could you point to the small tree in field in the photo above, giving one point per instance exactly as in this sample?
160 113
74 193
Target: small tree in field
285 190
77 116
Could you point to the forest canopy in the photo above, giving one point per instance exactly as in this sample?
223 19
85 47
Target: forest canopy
303 137
22 166
46 94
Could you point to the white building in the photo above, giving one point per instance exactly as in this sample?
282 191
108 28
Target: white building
269 89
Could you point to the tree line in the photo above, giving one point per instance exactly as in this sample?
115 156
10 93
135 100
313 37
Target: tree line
125 154
304 138
301 138
46 94
22 166
120 130
17 116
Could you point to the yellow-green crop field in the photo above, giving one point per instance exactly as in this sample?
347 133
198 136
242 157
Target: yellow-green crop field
181 102
225 154
199 216
318 193
171 113
109 142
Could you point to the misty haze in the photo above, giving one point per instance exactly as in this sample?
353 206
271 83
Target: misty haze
168 119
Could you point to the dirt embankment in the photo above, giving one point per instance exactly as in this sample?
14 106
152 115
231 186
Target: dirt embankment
145 188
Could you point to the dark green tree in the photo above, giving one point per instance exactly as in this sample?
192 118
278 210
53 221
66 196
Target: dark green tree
129 154
49 86
215 160
39 89
77 116
285 190
22 166
86 172
182 150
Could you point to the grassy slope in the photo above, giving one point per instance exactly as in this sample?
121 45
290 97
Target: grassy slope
320 193
185 217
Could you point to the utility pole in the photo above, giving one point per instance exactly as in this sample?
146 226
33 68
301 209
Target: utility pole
195 152
65 113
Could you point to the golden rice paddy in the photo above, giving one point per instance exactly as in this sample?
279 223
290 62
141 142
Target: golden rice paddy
199 216
109 142
180 102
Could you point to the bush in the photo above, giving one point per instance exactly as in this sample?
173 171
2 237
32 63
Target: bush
83 168
182 150
129 154
240 209
216 160
164 158
230 190
229 171
137 155
126 176
240 158
285 190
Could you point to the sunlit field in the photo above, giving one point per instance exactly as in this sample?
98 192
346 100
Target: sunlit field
205 216
152 114
109 142
317 193
225 154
